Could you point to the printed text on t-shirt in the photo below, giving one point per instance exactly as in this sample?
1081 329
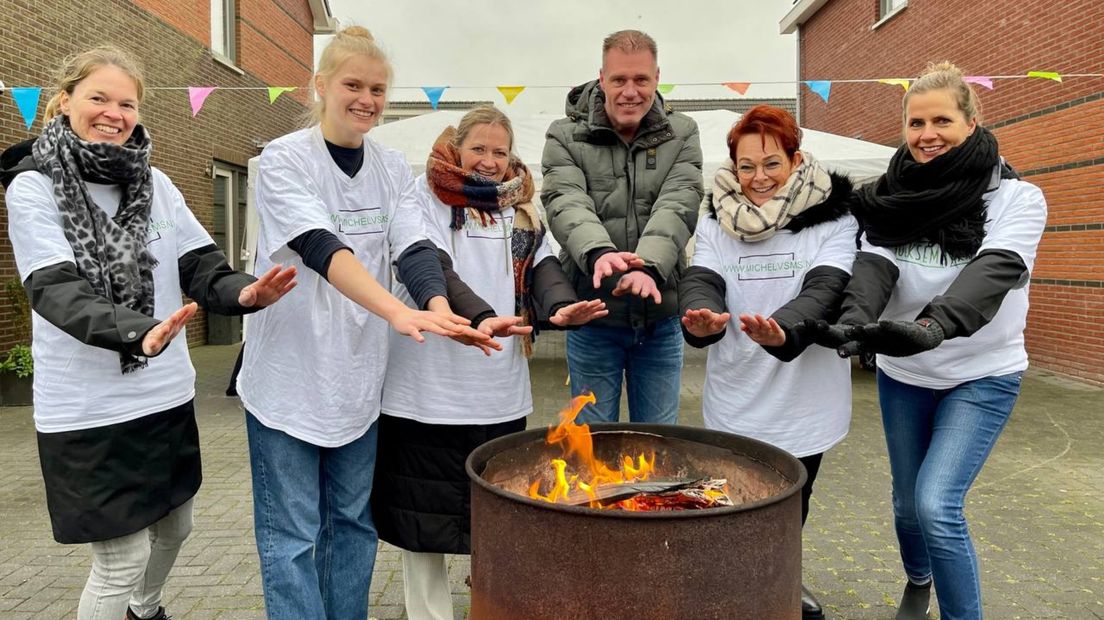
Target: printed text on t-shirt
767 266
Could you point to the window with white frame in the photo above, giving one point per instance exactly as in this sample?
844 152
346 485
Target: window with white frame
892 6
222 28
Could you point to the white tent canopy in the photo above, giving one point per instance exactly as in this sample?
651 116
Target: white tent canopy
862 161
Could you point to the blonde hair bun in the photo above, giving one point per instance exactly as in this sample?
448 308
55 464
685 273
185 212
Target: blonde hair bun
357 31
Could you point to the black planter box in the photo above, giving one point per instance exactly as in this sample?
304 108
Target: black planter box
15 391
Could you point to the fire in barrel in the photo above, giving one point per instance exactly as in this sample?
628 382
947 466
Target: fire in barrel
634 521
632 486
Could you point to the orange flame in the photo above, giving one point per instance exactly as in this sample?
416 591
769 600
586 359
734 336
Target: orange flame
576 441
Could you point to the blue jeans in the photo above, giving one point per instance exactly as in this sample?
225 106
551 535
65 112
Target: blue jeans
938 441
313 524
651 360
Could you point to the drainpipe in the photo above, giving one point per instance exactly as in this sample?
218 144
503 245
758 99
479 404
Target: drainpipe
797 102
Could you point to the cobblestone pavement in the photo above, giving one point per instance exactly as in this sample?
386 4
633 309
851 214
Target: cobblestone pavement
1037 511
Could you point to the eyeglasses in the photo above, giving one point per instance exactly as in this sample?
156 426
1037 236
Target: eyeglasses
748 170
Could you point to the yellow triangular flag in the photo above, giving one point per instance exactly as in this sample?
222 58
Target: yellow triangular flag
510 92
896 82
1048 75
274 92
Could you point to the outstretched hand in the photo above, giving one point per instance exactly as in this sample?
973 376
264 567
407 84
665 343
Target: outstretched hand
411 322
704 323
269 288
614 262
579 313
894 338
638 283
832 336
762 330
504 327
162 334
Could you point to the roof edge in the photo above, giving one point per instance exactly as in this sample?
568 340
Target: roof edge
324 22
801 12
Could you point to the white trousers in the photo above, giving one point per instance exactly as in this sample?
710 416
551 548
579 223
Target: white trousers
131 570
426 586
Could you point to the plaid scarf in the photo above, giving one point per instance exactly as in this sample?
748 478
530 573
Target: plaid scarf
472 194
809 185
110 252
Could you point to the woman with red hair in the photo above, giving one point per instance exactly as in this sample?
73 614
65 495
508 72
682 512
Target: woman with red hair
775 251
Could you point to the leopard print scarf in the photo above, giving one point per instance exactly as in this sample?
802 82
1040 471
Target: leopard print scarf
110 253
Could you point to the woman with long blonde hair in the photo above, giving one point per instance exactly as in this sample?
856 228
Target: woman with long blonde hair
113 402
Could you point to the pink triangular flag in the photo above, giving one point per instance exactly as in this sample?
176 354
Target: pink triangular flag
197 95
740 87
979 80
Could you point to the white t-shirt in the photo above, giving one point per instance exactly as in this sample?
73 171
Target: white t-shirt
79 386
444 382
802 406
314 363
1016 217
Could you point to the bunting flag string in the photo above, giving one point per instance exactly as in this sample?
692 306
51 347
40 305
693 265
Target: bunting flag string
1047 75
740 87
510 92
28 98
820 87
274 92
433 93
980 81
197 95
896 82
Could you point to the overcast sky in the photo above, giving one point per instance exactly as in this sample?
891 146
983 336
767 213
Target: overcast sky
474 45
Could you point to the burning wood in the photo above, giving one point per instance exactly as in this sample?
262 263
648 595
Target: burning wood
658 495
598 485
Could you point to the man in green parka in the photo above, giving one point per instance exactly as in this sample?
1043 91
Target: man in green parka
622 185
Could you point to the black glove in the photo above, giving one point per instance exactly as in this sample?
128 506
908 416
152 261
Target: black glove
826 334
893 338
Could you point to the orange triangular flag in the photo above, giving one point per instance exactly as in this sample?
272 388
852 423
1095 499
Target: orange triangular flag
740 87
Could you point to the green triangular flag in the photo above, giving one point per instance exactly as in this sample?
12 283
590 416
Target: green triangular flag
274 92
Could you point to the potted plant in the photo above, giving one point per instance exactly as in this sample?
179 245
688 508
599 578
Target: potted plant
17 366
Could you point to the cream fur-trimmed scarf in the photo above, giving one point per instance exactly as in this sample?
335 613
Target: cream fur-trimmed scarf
809 185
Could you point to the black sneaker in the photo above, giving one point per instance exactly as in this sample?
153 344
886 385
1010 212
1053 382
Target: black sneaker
160 615
810 607
915 602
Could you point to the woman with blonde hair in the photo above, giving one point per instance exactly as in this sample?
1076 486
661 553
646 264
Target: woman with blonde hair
441 400
940 294
113 402
344 208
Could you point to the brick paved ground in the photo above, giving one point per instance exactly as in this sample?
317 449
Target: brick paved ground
1037 511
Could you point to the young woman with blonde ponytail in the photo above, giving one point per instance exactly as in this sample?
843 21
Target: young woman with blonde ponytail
343 208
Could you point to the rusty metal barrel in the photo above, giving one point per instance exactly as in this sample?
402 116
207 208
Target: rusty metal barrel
536 560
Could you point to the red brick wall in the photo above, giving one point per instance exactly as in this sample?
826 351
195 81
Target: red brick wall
170 38
1052 133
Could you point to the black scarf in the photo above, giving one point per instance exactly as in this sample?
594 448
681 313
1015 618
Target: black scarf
110 253
937 202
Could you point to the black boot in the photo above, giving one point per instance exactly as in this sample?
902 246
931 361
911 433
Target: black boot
915 602
810 607
160 615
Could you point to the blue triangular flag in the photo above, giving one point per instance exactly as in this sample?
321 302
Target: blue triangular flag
433 93
27 100
820 87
